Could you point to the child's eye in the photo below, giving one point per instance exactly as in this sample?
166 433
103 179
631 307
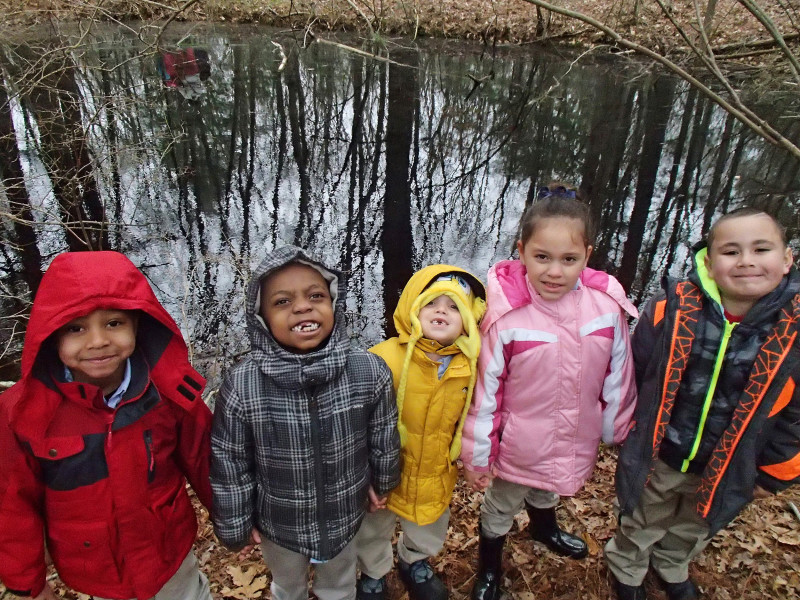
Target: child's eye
453 307
570 259
72 329
317 296
540 256
729 253
762 250
115 323
281 301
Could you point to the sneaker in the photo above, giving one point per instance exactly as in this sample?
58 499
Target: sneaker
421 581
368 588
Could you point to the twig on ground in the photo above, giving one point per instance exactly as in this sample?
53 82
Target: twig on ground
793 508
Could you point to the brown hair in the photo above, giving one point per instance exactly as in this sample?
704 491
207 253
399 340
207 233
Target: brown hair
556 200
744 211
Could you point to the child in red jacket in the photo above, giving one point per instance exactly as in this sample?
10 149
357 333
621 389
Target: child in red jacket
97 440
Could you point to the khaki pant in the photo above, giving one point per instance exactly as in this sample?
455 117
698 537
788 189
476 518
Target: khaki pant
332 580
664 530
188 583
504 499
416 542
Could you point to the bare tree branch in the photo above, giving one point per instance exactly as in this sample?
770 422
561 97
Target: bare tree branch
744 114
770 26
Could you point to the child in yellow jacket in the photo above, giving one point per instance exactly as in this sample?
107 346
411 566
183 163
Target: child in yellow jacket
433 361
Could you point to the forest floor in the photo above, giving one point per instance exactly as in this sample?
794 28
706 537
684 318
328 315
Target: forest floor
757 557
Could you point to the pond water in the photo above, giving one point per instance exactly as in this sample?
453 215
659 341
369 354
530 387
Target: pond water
376 166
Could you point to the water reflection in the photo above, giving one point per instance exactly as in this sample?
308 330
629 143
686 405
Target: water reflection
378 166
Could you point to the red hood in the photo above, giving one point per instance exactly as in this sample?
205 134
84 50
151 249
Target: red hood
78 283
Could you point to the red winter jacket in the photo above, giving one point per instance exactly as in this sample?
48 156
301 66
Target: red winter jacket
104 488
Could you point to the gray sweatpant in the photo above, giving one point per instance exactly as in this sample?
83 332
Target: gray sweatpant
664 530
188 583
333 580
504 499
416 542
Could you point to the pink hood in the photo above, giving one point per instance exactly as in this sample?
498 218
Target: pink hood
509 289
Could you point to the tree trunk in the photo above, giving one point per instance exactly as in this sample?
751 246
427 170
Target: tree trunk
396 236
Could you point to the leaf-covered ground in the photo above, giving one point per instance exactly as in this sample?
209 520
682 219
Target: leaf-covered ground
757 557
495 21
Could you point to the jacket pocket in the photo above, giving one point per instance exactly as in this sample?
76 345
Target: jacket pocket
57 448
82 553
177 524
72 462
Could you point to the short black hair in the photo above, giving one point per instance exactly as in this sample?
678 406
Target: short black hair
744 211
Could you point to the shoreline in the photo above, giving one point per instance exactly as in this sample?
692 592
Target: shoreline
512 22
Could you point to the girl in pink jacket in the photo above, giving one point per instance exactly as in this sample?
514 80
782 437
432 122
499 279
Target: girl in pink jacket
555 377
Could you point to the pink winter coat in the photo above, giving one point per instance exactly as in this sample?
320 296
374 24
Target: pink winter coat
554 379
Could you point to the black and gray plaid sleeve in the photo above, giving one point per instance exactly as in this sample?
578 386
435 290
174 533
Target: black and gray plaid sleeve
383 438
233 479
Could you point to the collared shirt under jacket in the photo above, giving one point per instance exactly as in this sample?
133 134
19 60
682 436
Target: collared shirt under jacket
105 488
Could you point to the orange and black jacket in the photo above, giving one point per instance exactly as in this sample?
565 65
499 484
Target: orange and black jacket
104 488
716 398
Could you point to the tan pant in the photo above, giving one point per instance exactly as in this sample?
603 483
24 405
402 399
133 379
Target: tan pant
664 530
188 583
332 580
504 499
416 542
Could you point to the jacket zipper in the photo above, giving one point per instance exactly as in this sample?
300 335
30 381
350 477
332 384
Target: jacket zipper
712 387
151 461
319 480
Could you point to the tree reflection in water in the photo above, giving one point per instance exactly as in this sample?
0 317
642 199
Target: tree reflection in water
380 167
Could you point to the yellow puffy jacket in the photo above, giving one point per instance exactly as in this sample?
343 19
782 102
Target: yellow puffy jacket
431 410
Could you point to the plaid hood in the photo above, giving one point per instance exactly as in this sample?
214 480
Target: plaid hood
275 361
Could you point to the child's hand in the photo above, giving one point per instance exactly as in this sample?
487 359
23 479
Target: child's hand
375 502
46 594
478 481
255 540
760 492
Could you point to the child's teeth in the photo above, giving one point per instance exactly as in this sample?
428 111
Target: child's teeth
306 327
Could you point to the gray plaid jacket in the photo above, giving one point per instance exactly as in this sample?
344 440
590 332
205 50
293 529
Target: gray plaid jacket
298 438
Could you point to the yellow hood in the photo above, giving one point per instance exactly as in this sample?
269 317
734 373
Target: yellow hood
471 304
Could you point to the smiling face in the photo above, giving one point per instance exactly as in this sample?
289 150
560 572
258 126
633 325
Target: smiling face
747 260
95 347
441 320
554 256
296 304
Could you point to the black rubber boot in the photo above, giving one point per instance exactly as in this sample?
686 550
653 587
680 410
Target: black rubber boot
544 528
683 590
490 560
629 592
